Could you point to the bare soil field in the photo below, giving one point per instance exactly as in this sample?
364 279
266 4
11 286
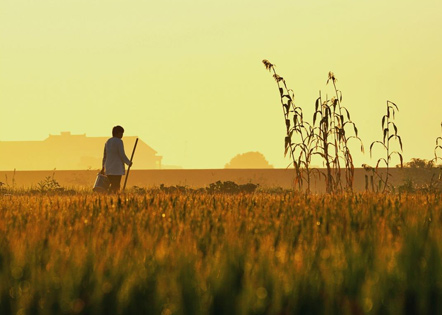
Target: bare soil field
265 178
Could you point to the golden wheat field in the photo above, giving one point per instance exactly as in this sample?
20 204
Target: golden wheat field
153 252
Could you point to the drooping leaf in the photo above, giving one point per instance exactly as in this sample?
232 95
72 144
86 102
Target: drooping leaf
348 113
328 112
385 133
399 155
320 154
400 142
317 104
393 104
286 145
335 103
372 144
379 161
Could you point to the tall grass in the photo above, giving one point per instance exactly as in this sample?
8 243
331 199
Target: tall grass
390 133
201 253
334 139
300 138
327 136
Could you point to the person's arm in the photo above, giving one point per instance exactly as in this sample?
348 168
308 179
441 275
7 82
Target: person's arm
104 160
122 154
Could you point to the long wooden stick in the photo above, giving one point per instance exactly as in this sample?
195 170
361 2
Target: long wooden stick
128 169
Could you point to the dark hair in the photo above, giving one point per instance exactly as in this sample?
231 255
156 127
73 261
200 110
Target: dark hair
116 130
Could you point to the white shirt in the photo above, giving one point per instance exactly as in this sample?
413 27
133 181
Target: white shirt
114 157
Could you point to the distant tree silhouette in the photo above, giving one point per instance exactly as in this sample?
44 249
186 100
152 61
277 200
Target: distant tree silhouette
249 160
420 163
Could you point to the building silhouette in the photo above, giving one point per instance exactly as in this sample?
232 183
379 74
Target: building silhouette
70 152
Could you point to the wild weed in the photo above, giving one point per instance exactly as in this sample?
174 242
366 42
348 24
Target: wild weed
300 139
333 140
387 124
48 184
329 139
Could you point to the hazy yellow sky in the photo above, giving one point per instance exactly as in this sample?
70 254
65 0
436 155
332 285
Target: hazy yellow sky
186 75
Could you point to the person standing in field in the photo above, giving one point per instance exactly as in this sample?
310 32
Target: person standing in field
114 158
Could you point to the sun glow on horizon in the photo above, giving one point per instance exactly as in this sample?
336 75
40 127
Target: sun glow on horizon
187 77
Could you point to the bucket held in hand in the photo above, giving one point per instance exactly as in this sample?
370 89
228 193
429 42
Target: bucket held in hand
101 183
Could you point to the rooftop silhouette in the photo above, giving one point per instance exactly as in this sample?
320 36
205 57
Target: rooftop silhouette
70 152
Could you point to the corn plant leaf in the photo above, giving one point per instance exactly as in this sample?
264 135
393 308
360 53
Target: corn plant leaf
328 112
395 129
320 154
348 113
286 108
399 155
379 161
400 142
383 121
287 123
314 116
317 104
372 144
281 91
393 104
385 133
286 145
360 141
